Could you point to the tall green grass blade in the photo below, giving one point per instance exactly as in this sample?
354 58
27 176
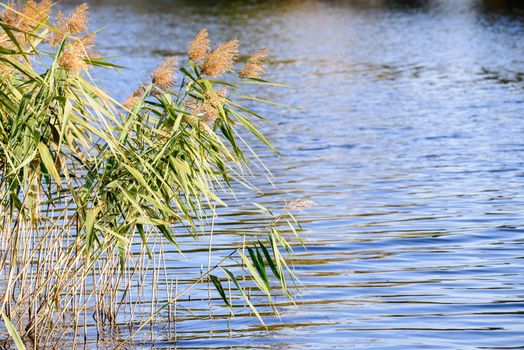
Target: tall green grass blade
49 163
220 289
246 298
11 329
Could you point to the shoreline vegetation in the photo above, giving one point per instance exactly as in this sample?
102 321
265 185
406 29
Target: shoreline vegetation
93 190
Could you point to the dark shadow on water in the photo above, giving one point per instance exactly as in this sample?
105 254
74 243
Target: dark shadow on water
248 7
511 8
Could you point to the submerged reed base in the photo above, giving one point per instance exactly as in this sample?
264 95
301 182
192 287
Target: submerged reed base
93 192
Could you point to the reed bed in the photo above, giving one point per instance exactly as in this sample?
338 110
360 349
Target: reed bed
93 190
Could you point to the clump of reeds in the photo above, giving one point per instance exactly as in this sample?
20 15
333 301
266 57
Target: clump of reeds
84 179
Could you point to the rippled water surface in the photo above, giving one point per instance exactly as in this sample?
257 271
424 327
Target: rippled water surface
410 139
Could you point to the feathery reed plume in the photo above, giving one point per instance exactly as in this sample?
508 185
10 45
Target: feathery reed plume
76 53
221 59
255 66
77 22
36 12
4 40
72 59
11 14
24 16
89 41
8 15
164 75
5 68
208 109
134 97
213 105
61 29
199 47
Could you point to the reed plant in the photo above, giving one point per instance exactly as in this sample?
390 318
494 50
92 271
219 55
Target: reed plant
92 189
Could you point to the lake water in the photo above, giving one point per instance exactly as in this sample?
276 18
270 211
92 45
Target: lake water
410 139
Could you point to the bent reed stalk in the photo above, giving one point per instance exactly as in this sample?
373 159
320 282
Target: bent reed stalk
92 189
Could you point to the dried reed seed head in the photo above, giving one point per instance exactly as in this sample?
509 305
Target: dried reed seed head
75 54
135 97
4 40
190 119
210 111
212 99
211 115
191 104
10 14
223 92
75 24
164 75
7 71
77 21
89 41
201 111
72 61
203 123
210 107
7 42
221 59
25 15
61 29
217 99
255 67
37 12
199 47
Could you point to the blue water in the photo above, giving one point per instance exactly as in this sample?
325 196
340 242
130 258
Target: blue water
410 139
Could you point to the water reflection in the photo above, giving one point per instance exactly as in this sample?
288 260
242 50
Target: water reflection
410 141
